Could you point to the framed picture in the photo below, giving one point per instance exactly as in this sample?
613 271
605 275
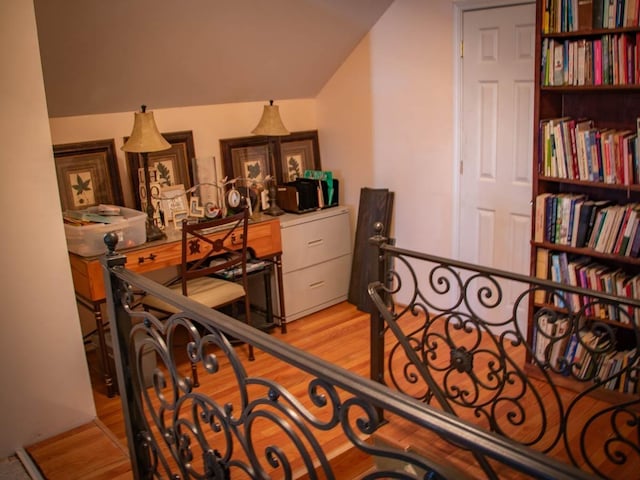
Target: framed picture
248 157
87 174
178 217
173 199
298 152
167 168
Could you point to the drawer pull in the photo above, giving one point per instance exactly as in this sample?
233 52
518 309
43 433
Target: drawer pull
151 257
236 239
316 284
315 243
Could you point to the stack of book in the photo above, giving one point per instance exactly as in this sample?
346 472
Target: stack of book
576 221
611 59
574 15
585 355
583 272
577 150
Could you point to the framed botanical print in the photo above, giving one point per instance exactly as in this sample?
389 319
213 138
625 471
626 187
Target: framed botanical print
166 168
87 174
248 157
298 152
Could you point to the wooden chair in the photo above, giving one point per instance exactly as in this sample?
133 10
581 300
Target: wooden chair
204 265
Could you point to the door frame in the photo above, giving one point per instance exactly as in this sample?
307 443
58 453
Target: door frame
459 8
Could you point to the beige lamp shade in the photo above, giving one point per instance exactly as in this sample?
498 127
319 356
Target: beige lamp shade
270 124
145 136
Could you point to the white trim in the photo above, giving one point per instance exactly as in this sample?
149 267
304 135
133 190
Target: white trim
464 5
32 469
459 7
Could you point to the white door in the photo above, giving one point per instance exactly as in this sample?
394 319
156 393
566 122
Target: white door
497 137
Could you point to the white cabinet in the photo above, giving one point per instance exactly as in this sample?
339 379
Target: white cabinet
316 260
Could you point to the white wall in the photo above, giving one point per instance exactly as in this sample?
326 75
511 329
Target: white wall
388 114
43 373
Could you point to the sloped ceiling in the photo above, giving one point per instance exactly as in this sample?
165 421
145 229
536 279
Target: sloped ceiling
112 56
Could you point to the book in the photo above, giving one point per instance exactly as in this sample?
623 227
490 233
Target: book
635 247
540 217
627 241
628 209
542 272
585 14
583 223
594 219
559 342
558 64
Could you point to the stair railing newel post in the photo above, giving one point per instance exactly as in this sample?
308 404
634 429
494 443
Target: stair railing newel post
377 322
120 327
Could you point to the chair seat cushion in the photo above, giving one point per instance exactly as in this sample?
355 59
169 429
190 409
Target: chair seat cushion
212 292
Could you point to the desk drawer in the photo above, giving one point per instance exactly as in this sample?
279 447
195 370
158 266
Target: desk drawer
264 240
316 287
315 242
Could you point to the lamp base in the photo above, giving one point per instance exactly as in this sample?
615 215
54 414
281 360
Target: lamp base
274 211
154 232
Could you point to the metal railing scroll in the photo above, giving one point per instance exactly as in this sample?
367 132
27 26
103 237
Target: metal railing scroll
550 366
235 425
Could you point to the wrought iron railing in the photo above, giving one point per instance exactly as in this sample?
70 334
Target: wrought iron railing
242 426
564 382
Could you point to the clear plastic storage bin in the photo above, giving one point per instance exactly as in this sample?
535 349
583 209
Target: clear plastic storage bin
88 240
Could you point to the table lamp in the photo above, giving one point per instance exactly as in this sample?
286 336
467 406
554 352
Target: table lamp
146 138
271 126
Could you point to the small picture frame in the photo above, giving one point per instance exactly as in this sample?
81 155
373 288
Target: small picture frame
299 151
178 216
173 199
195 209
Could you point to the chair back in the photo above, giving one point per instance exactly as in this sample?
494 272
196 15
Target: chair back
205 256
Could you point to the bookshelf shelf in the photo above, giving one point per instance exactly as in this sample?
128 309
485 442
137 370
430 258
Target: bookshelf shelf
587 150
590 88
590 33
591 185
587 252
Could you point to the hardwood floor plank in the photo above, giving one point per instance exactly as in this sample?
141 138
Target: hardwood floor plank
86 452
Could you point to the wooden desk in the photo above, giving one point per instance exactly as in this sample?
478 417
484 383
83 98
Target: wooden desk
263 240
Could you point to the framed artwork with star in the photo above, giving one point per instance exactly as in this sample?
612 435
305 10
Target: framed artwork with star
87 174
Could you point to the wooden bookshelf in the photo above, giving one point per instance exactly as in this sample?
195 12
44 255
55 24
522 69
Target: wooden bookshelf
611 106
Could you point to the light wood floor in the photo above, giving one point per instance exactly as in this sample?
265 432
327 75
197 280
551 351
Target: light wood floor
339 335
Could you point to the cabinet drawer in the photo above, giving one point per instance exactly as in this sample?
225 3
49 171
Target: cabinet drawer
314 242
316 287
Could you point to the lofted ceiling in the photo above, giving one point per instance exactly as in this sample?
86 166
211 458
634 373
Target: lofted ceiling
112 56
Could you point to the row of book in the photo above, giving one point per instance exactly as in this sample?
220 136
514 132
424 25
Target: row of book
576 221
575 15
577 150
611 59
583 272
586 355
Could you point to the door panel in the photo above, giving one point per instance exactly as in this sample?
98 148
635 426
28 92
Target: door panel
497 138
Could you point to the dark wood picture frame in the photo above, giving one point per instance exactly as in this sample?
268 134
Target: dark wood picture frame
87 174
177 163
298 152
247 157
